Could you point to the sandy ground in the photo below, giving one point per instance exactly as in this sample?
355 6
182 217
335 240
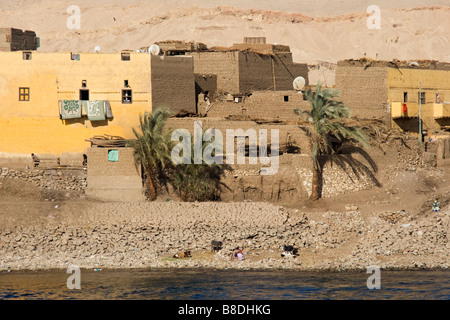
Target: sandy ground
393 227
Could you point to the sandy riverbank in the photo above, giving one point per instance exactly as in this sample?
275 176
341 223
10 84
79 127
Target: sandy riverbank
146 235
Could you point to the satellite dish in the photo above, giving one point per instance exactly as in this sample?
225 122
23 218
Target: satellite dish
299 83
154 50
97 49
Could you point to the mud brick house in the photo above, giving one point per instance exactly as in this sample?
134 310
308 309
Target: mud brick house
247 67
396 91
15 40
240 69
112 174
252 79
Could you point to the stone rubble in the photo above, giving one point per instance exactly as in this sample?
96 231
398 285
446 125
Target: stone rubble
50 179
145 235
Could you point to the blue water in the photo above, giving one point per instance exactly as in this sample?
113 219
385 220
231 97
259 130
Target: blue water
199 284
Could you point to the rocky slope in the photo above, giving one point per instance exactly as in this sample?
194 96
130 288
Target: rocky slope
125 235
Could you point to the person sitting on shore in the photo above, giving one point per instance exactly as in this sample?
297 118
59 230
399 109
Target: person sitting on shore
239 254
35 159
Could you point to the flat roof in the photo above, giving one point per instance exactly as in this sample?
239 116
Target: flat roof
404 64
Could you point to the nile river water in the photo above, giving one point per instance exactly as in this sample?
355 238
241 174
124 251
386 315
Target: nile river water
201 284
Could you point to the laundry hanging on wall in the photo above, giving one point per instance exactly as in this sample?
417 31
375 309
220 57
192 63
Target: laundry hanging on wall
108 109
95 110
70 109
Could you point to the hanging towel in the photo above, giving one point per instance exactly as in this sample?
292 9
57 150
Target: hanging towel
70 109
109 113
95 110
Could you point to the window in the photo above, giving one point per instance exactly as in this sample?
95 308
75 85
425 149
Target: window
113 155
405 96
422 99
125 56
286 98
438 98
84 95
126 84
24 94
75 56
84 84
127 96
27 55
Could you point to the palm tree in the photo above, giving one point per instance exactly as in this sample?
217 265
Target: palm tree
198 182
152 147
326 121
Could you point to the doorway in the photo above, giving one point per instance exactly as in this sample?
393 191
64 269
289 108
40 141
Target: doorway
84 95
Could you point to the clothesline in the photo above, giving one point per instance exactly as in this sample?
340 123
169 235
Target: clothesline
96 110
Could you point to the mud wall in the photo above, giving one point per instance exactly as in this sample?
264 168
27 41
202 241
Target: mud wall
364 90
223 64
245 72
288 134
173 83
263 72
206 84
268 105
113 180
292 180
15 40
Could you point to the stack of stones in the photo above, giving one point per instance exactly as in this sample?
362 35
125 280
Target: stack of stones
52 179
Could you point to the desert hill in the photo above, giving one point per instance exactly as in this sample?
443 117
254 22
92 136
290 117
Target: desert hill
316 31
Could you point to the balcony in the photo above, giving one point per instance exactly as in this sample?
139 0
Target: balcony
441 110
404 110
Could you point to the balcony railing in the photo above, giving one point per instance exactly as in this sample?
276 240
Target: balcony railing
404 110
411 110
441 110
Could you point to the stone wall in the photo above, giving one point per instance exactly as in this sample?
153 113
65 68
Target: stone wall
50 179
292 182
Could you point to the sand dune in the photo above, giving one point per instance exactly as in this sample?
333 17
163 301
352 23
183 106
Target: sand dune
319 31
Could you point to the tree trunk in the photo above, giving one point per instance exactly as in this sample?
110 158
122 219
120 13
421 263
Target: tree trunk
151 186
315 194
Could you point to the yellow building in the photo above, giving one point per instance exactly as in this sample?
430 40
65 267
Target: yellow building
33 84
392 91
419 92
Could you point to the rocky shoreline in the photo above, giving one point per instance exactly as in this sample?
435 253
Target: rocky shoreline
95 235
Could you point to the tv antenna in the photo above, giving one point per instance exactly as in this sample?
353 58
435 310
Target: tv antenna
299 84
154 50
